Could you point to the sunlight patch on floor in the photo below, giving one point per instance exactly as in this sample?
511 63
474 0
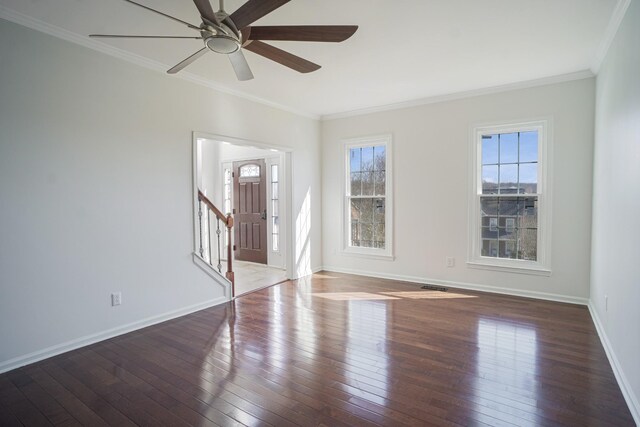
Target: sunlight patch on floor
369 296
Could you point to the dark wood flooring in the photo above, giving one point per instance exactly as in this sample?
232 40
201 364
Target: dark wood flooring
334 350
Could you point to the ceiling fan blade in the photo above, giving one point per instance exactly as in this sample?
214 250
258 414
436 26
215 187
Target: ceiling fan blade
253 10
121 36
187 61
206 11
240 66
304 33
165 15
281 57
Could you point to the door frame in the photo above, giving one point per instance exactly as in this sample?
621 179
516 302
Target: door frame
276 259
287 235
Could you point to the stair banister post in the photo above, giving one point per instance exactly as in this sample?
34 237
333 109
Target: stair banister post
230 275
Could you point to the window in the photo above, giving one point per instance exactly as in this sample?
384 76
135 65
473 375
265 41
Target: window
226 194
227 191
250 171
367 224
509 220
275 215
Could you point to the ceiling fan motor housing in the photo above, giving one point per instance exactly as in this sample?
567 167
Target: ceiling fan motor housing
221 40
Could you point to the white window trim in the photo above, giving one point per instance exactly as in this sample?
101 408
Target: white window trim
270 162
373 253
542 266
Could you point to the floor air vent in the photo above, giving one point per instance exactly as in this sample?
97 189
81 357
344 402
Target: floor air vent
435 288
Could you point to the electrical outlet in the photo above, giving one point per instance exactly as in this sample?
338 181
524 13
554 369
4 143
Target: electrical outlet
116 299
606 303
451 261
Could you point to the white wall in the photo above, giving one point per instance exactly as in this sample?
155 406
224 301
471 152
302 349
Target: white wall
96 188
615 268
211 182
431 161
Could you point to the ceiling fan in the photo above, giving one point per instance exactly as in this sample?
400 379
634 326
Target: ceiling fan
228 34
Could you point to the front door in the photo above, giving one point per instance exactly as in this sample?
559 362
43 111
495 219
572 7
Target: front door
250 210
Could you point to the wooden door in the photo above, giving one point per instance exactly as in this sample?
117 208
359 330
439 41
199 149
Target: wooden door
250 210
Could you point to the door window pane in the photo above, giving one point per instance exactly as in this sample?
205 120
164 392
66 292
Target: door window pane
250 171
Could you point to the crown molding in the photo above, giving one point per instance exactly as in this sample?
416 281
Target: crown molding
85 41
612 29
579 75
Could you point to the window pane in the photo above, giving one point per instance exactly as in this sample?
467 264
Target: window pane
507 234
489 248
355 233
275 224
527 212
378 236
379 210
508 179
250 171
227 176
528 244
366 236
528 147
367 223
274 173
489 149
355 157
356 183
380 158
529 178
274 208
380 184
274 242
508 148
274 191
362 210
507 207
367 183
507 249
367 158
488 209
489 179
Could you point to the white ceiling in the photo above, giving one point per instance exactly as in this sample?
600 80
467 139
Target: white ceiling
404 49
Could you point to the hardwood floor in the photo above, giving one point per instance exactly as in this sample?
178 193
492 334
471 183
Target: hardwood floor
334 350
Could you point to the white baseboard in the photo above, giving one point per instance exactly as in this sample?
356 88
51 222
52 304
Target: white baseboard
623 382
463 285
36 356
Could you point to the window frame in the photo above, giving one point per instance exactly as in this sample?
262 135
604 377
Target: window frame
542 266
274 248
385 140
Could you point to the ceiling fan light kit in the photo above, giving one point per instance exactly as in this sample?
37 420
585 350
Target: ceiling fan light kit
221 34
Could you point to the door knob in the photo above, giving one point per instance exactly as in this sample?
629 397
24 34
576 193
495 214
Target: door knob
264 214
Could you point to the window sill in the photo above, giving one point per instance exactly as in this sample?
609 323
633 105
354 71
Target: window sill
511 268
368 254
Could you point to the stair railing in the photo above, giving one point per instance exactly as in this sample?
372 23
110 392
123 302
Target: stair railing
205 236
